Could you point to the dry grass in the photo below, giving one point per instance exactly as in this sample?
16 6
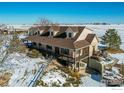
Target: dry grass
34 53
17 45
114 51
72 73
4 79
53 65
121 67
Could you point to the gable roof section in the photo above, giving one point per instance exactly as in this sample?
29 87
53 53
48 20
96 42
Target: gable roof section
81 43
90 37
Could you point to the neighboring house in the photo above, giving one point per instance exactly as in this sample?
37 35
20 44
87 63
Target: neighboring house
73 44
5 31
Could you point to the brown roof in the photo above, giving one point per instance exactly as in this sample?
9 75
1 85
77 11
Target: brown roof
77 29
81 43
63 42
66 43
59 28
90 37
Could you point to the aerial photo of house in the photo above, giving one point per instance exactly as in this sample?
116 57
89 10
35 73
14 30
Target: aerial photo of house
64 48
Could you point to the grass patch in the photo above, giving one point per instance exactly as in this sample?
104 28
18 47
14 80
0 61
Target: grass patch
34 53
41 83
4 79
73 81
74 74
55 85
67 84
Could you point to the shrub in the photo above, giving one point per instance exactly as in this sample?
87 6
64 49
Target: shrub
76 83
41 83
70 79
74 74
33 53
55 85
67 84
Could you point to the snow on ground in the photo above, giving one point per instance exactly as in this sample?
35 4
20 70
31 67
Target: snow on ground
107 62
119 56
22 36
87 81
57 77
23 68
4 45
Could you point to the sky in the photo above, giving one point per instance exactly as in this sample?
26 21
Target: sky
61 12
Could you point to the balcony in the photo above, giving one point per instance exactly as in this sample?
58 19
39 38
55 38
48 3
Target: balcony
82 57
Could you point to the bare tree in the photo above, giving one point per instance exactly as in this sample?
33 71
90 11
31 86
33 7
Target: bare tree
45 22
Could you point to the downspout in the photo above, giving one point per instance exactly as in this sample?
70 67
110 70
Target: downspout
88 56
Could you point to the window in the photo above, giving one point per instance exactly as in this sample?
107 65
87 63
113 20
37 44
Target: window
82 64
70 35
34 44
86 51
78 51
39 44
77 64
38 32
51 33
65 51
49 47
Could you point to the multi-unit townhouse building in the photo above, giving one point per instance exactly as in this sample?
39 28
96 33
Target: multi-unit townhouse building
72 44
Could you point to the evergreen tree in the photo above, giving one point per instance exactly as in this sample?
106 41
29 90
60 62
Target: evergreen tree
112 39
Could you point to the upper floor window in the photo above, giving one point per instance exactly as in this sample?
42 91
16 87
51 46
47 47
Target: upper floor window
51 33
49 47
34 43
38 32
70 35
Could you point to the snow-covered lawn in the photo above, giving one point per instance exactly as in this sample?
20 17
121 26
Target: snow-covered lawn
53 76
22 68
87 81
119 56
59 77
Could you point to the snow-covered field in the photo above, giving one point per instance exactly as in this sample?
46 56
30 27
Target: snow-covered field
22 68
101 29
